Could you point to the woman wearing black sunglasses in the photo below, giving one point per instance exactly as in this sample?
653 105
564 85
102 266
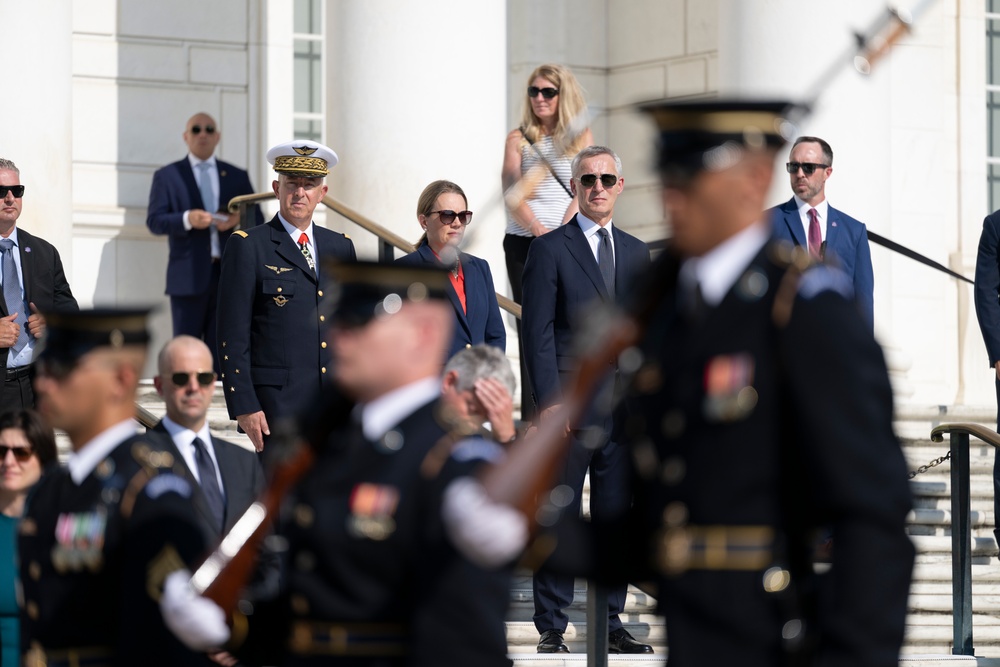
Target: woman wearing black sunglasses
443 213
27 446
536 170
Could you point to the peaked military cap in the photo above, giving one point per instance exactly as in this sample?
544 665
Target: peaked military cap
361 291
302 158
71 334
697 135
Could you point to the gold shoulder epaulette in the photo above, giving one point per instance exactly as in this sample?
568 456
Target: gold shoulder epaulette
240 233
347 236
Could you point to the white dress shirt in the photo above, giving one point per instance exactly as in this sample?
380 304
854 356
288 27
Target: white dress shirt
184 441
27 352
210 206
83 461
380 415
590 229
718 270
822 213
295 233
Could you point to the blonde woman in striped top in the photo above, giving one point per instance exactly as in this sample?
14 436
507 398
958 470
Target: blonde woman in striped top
536 171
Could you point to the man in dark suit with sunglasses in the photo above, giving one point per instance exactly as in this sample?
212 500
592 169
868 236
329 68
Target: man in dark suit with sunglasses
187 203
569 272
37 285
808 220
230 477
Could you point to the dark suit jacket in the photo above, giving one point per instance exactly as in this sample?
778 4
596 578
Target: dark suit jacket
44 279
481 321
561 282
242 482
175 191
846 242
271 347
103 590
987 291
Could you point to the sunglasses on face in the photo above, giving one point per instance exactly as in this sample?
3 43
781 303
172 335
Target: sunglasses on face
18 191
807 167
196 129
607 180
448 217
21 454
204 378
547 93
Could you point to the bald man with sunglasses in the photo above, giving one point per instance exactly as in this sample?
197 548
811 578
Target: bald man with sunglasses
229 477
188 204
808 220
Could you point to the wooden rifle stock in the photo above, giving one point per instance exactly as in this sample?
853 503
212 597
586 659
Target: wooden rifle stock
224 574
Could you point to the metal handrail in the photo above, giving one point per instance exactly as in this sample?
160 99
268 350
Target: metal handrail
387 237
145 417
961 526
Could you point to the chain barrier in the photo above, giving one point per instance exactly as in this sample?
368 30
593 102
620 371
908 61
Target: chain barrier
933 464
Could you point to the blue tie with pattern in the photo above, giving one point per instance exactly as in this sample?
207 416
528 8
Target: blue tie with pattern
12 294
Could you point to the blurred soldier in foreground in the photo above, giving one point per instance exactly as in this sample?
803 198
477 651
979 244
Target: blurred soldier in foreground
100 536
760 410
372 579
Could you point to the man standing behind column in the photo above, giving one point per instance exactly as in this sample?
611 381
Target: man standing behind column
568 271
183 204
45 289
808 220
272 354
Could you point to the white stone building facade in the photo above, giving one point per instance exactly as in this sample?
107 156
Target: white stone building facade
407 91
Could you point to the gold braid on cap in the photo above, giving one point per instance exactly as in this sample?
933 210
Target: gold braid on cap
304 166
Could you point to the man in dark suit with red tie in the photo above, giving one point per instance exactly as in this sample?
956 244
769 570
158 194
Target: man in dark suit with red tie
570 271
271 351
187 203
808 220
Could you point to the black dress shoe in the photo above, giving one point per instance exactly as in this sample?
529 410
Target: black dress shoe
620 641
551 641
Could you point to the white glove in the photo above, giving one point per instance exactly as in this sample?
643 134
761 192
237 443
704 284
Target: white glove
196 621
489 534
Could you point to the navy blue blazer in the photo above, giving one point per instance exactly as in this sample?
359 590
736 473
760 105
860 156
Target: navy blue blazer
271 349
987 290
561 282
481 321
175 191
846 241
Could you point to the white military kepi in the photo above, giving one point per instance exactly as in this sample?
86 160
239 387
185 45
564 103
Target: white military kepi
302 158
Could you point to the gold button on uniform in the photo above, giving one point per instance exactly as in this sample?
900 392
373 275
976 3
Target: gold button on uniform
322 318
323 370
31 608
35 571
279 289
323 345
319 293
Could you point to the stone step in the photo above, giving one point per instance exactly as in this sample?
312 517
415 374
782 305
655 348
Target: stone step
522 637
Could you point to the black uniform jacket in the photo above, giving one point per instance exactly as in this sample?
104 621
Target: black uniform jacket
368 562
94 556
752 425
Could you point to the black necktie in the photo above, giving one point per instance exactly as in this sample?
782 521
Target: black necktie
606 260
209 482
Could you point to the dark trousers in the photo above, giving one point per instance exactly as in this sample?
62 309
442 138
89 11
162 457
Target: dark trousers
516 252
996 475
195 315
17 394
609 499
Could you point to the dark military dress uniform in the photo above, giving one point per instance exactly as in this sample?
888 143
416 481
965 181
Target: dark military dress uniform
94 556
371 577
753 424
271 351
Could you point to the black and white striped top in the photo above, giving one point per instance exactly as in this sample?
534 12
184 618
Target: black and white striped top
549 201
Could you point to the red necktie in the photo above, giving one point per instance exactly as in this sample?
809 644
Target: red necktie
815 238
